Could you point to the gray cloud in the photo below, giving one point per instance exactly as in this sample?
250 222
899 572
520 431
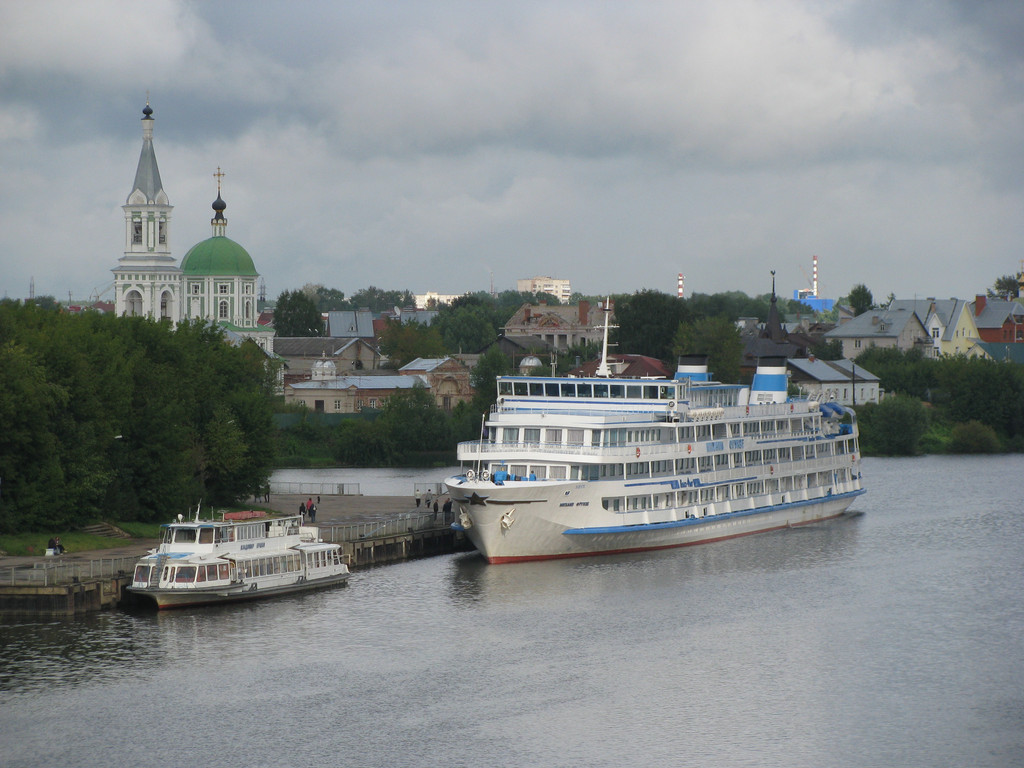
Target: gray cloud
430 146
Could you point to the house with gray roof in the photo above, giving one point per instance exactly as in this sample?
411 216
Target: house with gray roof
900 327
326 393
347 324
842 381
949 323
999 320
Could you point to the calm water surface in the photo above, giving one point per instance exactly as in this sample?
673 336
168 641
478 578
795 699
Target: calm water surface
889 638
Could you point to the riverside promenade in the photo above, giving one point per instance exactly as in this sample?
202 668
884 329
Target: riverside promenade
372 530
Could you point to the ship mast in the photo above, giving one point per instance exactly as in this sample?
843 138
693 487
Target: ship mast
602 369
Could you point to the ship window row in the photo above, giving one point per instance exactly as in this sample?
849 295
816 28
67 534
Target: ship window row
268 566
191 574
202 535
619 436
681 466
579 389
734 492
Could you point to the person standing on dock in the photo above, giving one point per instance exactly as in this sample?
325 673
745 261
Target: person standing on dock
312 511
417 497
302 510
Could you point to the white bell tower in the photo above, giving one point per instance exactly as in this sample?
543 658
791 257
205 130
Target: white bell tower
147 280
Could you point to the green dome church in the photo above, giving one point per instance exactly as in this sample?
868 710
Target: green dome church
216 281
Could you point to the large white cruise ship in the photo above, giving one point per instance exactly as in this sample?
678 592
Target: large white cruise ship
569 467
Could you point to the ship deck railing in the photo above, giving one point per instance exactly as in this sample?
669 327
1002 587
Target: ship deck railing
622 452
406 523
45 574
782 468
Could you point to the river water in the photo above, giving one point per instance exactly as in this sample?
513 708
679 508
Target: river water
894 637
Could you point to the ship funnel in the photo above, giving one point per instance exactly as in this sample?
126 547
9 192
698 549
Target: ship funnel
693 367
770 382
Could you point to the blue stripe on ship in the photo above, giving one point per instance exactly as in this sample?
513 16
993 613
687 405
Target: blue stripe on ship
708 519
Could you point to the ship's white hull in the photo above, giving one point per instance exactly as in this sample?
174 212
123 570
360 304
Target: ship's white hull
523 521
252 590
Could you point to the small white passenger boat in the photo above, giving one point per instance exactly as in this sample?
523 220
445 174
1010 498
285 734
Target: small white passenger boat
251 556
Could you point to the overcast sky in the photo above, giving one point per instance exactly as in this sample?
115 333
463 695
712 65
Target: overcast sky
445 145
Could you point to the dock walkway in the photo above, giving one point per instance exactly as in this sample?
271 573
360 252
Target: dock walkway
371 529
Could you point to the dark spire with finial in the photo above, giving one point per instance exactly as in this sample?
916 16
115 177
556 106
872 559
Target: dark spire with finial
773 325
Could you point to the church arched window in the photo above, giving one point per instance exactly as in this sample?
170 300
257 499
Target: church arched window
133 304
223 313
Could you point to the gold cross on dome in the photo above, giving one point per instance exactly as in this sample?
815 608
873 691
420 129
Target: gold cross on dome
218 175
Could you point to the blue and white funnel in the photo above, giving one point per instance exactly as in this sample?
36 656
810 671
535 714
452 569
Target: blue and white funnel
693 367
770 381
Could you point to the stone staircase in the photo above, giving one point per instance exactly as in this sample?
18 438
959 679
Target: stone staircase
105 529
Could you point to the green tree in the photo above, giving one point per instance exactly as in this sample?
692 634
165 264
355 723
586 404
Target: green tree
491 364
466 327
412 422
893 427
974 437
860 299
716 337
363 443
403 342
1006 287
647 323
295 314
377 299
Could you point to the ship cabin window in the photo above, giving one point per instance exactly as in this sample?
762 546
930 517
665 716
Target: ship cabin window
667 392
784 454
704 464
703 431
519 388
611 470
734 429
551 388
553 436
612 505
574 436
637 469
583 390
504 387
617 391
225 534
686 434
141 574
185 536
721 461
536 389
633 390
752 428
568 390
687 465
798 452
531 435
510 435
557 473
718 431
185 574
539 471
206 535
518 470
661 467
752 458
600 390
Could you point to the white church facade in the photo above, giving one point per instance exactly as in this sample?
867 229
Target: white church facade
216 280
